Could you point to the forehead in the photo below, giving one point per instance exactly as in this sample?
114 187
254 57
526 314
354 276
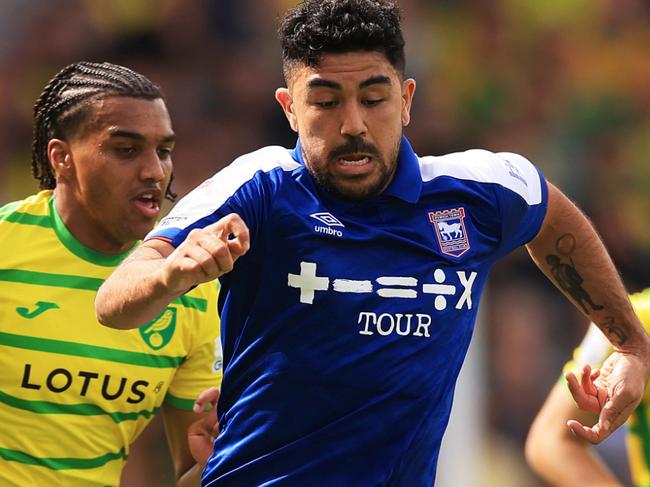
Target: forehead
349 68
146 117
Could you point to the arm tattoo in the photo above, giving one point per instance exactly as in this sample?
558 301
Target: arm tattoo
616 335
567 276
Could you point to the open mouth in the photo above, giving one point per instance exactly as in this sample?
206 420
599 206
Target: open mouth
148 203
354 160
354 165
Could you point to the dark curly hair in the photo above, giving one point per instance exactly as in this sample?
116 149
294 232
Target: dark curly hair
316 27
66 104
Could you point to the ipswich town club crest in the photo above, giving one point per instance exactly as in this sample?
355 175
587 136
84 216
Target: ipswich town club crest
450 231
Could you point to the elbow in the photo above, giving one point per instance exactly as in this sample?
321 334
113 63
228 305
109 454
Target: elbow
534 450
543 444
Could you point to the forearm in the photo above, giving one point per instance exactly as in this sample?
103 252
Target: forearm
135 293
192 477
574 466
569 251
555 454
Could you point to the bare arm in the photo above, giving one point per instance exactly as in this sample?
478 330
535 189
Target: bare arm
191 436
556 454
568 250
155 273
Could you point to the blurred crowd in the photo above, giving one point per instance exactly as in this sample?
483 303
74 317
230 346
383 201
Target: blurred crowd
566 83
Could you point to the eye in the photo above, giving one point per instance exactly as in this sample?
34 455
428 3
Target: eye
125 151
373 102
326 104
164 152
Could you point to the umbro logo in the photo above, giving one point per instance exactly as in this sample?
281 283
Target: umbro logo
330 221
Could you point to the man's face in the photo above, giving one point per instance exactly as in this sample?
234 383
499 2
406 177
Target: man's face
349 112
119 168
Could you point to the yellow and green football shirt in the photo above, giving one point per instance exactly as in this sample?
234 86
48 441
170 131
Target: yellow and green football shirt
75 394
594 349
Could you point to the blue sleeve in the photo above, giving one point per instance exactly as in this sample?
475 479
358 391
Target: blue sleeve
521 219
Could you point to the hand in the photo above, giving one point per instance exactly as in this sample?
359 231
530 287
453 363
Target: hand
202 433
613 392
206 254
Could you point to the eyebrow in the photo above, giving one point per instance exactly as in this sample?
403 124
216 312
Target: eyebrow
136 136
325 83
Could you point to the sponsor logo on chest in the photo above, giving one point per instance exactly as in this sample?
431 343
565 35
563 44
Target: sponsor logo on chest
444 290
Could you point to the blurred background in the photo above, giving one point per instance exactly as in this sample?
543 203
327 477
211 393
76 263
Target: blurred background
566 83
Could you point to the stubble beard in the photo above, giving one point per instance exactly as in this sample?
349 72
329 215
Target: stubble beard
358 192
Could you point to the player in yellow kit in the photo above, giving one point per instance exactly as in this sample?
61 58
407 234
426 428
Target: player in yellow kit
562 459
74 394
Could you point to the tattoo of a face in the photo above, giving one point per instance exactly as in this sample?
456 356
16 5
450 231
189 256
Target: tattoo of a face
613 332
567 276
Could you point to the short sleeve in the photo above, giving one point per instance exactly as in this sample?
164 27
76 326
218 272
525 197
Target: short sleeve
244 187
202 367
522 197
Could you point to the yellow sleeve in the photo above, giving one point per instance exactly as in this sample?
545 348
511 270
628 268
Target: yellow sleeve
202 367
593 350
641 303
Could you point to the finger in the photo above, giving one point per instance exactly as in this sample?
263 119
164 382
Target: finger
210 265
209 396
587 384
615 412
584 401
592 435
240 244
232 230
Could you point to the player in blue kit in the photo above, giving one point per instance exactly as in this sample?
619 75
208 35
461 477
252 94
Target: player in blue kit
351 270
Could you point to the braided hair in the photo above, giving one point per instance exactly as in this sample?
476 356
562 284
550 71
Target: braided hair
66 102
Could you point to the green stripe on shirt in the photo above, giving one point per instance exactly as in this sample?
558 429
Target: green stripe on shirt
52 280
27 219
47 407
81 282
61 463
90 351
643 430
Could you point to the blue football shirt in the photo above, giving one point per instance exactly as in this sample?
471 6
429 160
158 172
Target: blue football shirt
345 326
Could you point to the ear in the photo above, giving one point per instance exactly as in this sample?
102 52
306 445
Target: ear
408 90
60 157
284 98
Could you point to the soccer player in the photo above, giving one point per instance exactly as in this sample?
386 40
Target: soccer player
74 394
561 458
352 268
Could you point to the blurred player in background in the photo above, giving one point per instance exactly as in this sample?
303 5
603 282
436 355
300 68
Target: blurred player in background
74 394
352 270
561 458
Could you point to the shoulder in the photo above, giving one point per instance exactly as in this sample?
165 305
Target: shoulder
241 177
36 204
27 217
265 160
505 169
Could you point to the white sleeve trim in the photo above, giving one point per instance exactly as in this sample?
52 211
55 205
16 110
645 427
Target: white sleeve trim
506 169
214 192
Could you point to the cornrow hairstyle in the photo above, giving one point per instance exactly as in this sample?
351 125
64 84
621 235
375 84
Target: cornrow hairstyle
66 103
317 27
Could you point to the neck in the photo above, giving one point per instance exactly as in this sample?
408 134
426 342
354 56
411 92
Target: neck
83 227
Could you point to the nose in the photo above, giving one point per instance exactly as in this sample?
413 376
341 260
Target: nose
353 123
152 167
